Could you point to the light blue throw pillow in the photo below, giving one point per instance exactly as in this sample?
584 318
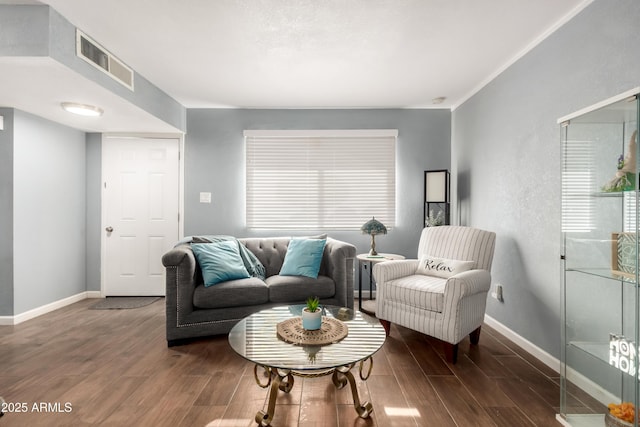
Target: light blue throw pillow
219 261
303 258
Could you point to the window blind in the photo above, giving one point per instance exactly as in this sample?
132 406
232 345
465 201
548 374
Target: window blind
320 179
630 211
578 185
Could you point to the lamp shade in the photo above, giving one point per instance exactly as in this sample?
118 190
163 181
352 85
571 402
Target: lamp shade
436 186
373 227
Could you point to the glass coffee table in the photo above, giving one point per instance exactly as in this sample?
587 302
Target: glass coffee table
256 339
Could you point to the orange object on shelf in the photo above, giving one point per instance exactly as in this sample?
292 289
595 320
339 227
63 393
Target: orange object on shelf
625 411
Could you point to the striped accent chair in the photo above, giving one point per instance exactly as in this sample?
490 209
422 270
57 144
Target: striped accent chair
445 308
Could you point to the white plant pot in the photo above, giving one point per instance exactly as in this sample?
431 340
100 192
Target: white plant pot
311 321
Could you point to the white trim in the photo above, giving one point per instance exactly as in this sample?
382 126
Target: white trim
598 105
181 158
301 133
47 308
568 17
530 347
579 380
594 390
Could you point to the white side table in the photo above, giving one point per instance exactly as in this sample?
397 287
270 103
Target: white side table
363 259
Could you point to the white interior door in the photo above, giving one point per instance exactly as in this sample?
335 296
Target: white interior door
140 213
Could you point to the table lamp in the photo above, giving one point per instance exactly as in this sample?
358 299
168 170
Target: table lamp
373 227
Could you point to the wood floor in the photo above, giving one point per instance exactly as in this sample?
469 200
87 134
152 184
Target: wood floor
77 367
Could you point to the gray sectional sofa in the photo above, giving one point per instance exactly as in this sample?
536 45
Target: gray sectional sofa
193 310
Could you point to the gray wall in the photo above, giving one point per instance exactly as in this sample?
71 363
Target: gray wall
49 212
24 30
94 209
506 155
6 213
214 159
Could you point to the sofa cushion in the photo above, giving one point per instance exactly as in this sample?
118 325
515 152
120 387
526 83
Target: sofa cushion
271 251
442 267
418 290
303 257
232 293
299 288
219 261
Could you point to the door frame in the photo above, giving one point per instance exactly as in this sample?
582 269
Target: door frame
103 224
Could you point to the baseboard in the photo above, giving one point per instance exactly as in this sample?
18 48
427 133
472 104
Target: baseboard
579 380
594 390
47 308
365 294
530 347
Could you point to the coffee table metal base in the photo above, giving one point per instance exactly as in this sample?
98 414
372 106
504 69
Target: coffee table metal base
282 380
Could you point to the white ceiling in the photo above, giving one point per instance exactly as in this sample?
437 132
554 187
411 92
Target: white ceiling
310 53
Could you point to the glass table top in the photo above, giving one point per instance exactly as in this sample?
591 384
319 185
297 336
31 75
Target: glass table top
255 338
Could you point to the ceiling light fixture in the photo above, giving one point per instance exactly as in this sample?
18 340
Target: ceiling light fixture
82 109
438 100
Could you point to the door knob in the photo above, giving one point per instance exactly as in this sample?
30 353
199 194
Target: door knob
109 229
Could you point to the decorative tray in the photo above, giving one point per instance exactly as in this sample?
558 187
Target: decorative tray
331 331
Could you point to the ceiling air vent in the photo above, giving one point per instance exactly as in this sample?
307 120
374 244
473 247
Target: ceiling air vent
100 58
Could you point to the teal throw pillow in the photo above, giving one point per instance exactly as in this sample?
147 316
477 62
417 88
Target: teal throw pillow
219 261
303 258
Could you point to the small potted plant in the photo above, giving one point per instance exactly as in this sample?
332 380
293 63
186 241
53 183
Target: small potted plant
312 314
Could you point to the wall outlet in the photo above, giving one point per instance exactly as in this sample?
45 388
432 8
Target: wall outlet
205 197
497 293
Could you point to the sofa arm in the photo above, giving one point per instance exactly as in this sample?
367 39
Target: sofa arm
180 264
338 265
389 270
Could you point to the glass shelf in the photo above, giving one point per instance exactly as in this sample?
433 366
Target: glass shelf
606 274
599 350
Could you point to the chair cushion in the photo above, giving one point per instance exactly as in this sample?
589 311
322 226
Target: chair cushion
298 288
418 290
232 293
